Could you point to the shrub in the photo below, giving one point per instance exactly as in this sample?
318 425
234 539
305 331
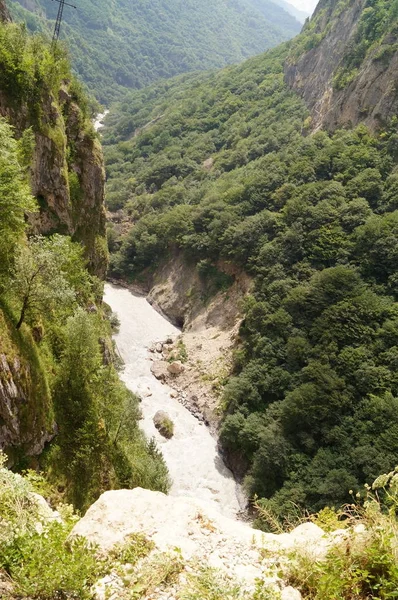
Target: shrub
44 566
364 564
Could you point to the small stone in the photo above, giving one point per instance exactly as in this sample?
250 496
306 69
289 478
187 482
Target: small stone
290 593
108 587
146 392
159 347
360 528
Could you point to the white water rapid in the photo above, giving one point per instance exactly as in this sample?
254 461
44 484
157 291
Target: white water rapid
192 457
98 121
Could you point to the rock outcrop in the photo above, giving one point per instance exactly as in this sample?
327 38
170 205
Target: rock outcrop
210 319
203 536
67 169
4 14
26 419
70 192
369 96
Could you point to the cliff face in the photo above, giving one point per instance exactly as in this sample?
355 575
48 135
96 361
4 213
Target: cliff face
4 14
67 173
67 178
67 170
26 418
342 80
87 190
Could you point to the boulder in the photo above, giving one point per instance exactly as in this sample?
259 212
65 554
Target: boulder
176 367
208 163
164 424
45 511
159 369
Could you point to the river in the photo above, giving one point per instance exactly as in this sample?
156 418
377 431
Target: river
195 465
98 121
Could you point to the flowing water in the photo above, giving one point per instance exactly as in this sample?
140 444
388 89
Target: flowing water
98 121
192 457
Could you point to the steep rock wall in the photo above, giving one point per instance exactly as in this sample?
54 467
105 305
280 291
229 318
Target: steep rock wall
70 192
67 178
4 14
194 302
67 171
26 418
209 311
371 97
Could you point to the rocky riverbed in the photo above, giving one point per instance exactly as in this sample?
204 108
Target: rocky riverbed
192 456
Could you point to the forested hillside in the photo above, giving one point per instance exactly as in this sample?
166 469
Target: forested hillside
223 167
130 44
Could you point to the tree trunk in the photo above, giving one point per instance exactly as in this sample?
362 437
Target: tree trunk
22 315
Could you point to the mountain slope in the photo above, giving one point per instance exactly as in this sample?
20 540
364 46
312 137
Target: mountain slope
130 44
67 172
221 169
345 63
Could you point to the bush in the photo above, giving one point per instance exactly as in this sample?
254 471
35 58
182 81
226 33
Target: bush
34 550
364 564
46 566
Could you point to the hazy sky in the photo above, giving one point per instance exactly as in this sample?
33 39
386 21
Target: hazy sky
307 5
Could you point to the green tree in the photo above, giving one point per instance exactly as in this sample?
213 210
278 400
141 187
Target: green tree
15 197
38 282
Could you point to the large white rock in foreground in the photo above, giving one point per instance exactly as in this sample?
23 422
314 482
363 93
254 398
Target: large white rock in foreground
169 521
195 527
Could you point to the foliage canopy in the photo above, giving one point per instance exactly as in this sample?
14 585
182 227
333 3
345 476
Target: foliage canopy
222 168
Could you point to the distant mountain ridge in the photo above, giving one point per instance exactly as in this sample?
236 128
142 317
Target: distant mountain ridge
300 15
129 45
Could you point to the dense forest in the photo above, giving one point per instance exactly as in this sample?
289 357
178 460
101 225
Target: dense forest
130 44
58 363
223 167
